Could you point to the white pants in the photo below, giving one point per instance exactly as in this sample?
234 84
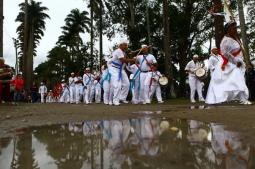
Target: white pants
145 82
156 88
87 94
120 86
78 92
135 89
108 94
98 94
64 98
72 94
195 85
42 97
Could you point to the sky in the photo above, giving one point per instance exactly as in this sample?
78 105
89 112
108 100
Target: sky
58 10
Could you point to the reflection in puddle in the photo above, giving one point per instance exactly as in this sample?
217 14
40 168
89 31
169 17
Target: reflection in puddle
145 142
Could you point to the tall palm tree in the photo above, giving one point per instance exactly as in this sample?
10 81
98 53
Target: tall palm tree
76 22
33 31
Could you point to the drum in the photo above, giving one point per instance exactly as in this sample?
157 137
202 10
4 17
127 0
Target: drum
163 81
201 73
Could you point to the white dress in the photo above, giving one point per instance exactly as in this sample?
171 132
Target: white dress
228 85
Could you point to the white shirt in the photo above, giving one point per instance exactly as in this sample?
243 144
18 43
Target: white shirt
143 62
116 56
212 62
71 81
76 79
88 79
191 67
42 89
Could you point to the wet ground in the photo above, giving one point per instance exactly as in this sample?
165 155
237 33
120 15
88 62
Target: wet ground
66 123
145 142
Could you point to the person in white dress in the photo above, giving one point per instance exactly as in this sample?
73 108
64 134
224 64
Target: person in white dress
228 77
65 94
97 89
194 83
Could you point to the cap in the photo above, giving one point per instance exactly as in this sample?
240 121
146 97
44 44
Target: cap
63 80
144 46
72 73
122 41
195 56
87 68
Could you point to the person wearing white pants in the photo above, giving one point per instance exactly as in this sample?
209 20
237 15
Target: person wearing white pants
134 69
146 61
155 86
64 97
105 83
97 90
88 82
194 83
43 92
71 81
78 88
119 78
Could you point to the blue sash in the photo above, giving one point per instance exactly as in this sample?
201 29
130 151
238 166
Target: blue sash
119 66
106 77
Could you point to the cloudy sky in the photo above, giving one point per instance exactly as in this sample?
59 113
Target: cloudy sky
58 10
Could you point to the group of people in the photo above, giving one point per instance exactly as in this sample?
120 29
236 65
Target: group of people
113 80
227 71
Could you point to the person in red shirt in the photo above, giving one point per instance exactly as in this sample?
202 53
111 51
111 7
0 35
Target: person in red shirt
18 83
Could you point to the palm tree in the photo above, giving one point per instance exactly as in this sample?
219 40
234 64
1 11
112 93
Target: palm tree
30 34
76 22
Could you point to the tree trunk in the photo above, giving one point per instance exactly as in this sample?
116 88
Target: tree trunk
30 58
168 61
91 33
218 23
243 32
184 47
25 68
1 28
148 22
101 35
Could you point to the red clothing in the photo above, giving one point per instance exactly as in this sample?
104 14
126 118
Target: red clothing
18 83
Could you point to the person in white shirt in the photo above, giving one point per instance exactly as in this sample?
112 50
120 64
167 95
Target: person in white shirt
146 61
64 96
155 86
72 88
78 87
43 92
97 89
49 98
87 82
105 83
119 78
135 86
194 83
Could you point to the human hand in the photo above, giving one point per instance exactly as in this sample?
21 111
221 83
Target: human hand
238 64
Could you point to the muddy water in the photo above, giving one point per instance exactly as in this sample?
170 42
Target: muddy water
143 143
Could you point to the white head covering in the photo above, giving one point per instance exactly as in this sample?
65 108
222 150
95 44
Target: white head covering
195 56
144 46
87 68
72 73
122 41
63 80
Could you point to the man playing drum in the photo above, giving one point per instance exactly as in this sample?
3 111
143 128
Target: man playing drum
194 83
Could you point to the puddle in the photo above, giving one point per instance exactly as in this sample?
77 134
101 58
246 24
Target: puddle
146 142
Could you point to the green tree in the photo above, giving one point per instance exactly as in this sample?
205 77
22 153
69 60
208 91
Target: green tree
36 16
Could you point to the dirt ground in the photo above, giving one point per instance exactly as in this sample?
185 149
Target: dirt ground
237 117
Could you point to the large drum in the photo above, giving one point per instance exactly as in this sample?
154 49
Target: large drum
201 73
163 81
